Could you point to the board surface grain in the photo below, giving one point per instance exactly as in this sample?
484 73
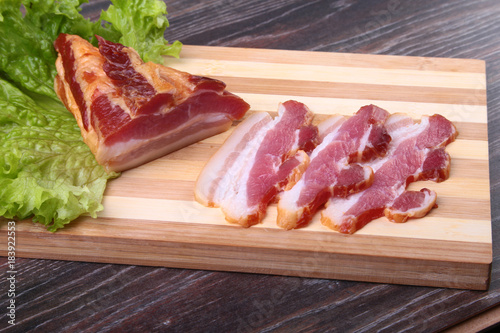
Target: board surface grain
150 216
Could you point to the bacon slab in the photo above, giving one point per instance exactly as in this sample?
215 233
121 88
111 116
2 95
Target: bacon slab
261 157
417 152
334 169
131 112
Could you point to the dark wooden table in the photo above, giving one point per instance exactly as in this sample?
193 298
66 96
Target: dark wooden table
59 296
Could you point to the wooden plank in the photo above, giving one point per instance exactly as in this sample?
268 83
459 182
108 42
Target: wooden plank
329 59
483 322
474 112
340 74
150 216
445 95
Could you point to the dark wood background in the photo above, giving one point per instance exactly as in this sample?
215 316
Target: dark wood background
58 296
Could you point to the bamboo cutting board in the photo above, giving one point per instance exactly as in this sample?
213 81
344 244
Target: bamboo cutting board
150 216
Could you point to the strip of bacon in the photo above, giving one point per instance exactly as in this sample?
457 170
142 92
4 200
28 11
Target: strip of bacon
411 204
334 168
131 112
261 157
416 153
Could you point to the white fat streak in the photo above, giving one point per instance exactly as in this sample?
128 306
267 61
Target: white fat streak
124 147
288 199
364 141
329 138
398 135
430 196
231 193
403 133
336 208
330 125
116 99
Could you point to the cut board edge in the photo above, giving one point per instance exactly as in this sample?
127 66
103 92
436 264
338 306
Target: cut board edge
404 271
122 231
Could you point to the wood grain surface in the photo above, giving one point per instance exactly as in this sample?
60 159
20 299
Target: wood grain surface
66 296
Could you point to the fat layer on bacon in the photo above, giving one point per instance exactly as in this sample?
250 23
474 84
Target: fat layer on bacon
334 169
261 157
417 152
130 112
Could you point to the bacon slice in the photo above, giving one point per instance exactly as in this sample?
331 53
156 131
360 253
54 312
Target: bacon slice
256 162
131 112
411 204
416 153
333 169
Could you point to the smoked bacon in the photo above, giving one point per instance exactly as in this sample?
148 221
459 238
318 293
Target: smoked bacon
334 168
130 112
261 157
417 152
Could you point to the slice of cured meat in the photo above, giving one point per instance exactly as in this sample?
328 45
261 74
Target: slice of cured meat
334 169
261 157
411 204
130 112
417 152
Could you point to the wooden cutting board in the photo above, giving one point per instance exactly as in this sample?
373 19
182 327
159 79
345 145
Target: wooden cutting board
151 218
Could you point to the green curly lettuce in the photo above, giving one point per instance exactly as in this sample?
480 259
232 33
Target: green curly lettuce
141 24
47 172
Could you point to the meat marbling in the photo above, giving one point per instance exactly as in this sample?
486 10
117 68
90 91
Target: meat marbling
130 112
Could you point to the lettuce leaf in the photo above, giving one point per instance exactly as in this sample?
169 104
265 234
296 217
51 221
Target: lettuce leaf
27 56
142 24
56 17
47 172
